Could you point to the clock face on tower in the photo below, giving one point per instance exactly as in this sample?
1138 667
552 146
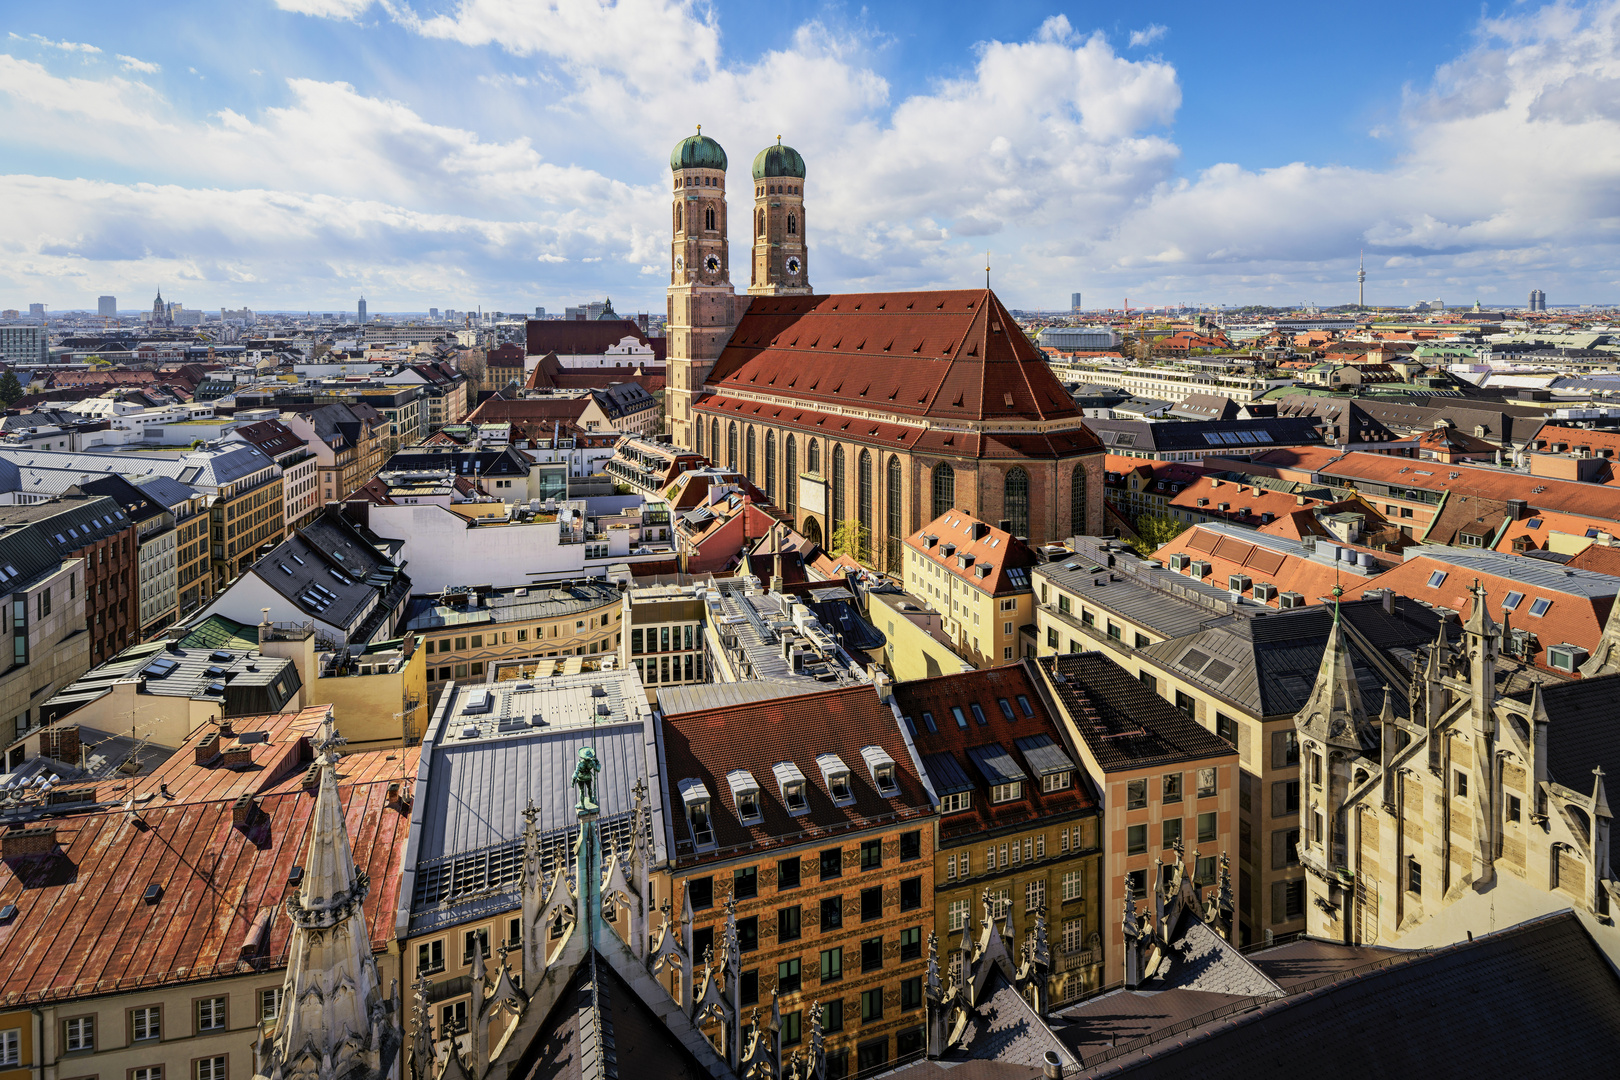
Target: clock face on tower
680 263
711 263
792 265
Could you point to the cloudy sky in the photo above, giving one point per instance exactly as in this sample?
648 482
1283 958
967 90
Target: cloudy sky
291 154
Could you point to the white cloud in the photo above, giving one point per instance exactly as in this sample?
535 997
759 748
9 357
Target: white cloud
1148 35
65 46
144 66
326 9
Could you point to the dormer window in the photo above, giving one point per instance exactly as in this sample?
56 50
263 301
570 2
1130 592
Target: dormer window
836 775
745 794
790 781
881 767
695 796
1002 793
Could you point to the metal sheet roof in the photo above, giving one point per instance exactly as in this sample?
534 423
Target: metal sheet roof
946 774
995 764
1043 756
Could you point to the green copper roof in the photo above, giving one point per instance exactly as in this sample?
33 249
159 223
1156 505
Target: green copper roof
778 160
697 152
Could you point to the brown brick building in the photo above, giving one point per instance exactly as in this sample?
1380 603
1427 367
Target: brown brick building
810 813
865 415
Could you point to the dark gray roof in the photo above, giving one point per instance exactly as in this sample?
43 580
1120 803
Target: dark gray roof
1044 757
995 764
1538 999
1125 724
335 576
946 774
1583 733
1267 665
1233 436
243 682
69 523
1168 603
1003 1028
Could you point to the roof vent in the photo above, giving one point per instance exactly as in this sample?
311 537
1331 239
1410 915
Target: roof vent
153 893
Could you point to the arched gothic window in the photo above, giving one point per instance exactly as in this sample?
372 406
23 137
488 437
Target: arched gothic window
708 218
892 499
761 230
837 486
731 446
697 437
1077 501
793 225
677 217
714 441
770 465
812 460
790 475
944 489
863 489
1015 500
749 469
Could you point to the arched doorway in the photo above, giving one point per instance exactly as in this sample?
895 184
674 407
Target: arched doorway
812 531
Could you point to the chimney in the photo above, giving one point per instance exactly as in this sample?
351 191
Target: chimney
208 748
237 757
61 743
244 811
225 729
22 843
1052 1066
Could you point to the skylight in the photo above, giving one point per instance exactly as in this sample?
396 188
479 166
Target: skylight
1436 579
1539 606
1512 601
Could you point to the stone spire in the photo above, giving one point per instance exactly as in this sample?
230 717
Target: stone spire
1335 714
335 1023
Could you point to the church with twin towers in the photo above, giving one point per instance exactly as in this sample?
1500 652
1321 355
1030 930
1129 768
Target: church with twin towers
862 414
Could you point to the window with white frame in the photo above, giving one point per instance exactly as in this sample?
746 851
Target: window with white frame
149 1072
1058 781
79 1033
950 804
270 1003
211 1068
1074 935
950 868
958 912
11 1047
146 1022
1000 901
1005 792
1035 895
1072 888
211 1014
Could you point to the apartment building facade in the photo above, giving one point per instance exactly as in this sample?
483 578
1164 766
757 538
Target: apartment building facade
804 823
1018 820
978 576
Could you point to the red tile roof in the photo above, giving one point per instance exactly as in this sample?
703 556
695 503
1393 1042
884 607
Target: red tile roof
1599 558
708 744
1246 503
944 355
587 337
1547 523
1575 439
988 689
965 556
83 927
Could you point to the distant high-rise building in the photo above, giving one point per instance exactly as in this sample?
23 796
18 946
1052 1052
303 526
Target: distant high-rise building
433 313
24 344
362 311
36 311
1074 303
539 312
107 306
1538 300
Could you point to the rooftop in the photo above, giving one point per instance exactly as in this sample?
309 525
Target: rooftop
242 682
1126 725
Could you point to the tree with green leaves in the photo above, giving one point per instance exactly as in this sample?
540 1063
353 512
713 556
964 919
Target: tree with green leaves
853 539
10 389
1153 531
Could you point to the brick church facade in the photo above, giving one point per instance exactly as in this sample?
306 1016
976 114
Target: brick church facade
863 416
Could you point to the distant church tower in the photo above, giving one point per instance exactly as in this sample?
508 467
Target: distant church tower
703 306
160 311
781 262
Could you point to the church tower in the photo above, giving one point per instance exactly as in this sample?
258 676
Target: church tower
703 306
781 262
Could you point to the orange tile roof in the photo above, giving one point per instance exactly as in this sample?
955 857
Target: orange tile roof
1543 493
284 750
1576 439
1547 523
1247 503
83 926
965 557
1228 554
1598 558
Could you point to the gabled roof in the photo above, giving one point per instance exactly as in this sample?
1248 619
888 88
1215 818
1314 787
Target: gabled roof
1539 492
944 355
705 746
980 555
580 337
955 756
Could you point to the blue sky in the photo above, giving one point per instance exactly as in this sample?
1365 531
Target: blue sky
298 153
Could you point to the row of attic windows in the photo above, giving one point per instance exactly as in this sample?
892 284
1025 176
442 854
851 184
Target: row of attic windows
790 780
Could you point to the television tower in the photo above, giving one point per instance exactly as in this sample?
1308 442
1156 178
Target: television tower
1361 281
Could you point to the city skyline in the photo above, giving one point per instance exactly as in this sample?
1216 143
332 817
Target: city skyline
1119 159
